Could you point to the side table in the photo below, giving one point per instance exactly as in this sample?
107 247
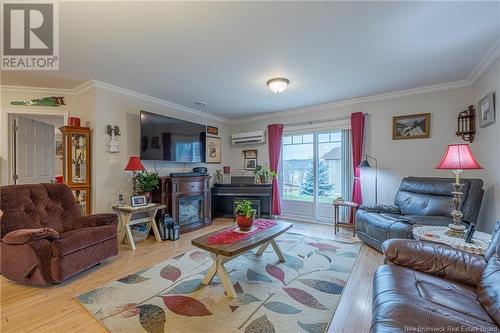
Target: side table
436 234
336 216
125 214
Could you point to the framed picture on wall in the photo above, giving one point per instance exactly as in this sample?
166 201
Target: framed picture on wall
486 107
413 126
212 130
59 145
250 164
250 153
213 150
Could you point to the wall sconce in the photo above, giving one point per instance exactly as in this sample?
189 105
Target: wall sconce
113 132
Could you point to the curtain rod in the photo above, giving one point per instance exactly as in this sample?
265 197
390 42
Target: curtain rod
311 122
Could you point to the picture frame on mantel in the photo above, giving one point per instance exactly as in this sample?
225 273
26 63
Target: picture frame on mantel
413 126
486 108
213 150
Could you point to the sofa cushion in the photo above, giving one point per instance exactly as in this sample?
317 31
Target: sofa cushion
404 298
427 220
78 261
78 239
488 289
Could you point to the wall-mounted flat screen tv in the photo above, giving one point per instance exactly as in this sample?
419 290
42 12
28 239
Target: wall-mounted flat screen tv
170 139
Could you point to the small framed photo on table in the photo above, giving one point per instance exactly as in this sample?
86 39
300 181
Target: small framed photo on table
138 200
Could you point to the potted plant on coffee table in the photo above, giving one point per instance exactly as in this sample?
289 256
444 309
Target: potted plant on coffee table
147 182
244 214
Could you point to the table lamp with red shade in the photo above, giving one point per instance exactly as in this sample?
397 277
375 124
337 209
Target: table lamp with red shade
457 158
134 164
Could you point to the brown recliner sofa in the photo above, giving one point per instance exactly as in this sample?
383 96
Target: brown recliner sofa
429 287
44 237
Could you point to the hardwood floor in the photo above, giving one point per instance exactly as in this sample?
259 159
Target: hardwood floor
53 309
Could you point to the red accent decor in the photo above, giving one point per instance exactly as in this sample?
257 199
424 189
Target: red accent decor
59 179
458 157
357 133
231 236
227 169
74 121
134 164
275 134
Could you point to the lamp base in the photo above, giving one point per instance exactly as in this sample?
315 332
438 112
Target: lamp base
456 230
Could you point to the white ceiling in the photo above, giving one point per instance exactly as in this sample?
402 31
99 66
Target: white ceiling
224 52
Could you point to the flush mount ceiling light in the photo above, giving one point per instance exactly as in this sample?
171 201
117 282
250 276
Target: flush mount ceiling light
278 85
201 103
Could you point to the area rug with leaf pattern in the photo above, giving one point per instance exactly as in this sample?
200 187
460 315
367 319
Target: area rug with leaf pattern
299 295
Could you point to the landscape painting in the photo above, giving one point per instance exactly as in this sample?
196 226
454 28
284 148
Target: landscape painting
415 126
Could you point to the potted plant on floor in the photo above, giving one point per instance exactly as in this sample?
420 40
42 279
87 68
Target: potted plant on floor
244 214
147 182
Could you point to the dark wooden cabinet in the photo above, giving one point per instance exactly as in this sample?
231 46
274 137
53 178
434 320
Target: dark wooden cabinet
186 200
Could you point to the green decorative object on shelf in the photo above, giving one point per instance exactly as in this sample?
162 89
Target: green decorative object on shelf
45 101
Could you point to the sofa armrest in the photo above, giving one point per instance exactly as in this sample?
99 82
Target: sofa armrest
379 208
436 259
95 220
23 236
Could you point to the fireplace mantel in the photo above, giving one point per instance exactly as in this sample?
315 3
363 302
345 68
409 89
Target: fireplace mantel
177 191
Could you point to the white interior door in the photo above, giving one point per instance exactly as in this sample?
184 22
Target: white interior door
34 150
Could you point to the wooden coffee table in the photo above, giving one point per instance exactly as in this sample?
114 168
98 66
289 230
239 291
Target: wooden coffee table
222 253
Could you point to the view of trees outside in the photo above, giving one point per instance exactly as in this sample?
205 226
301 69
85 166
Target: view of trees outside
298 173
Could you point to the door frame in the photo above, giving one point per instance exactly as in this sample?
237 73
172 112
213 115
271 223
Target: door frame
6 138
313 128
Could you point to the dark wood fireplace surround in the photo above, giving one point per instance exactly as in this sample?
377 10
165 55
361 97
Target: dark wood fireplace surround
173 189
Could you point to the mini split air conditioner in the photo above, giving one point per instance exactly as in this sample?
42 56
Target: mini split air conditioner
248 138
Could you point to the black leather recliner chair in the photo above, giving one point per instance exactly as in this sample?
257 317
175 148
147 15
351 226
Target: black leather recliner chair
420 200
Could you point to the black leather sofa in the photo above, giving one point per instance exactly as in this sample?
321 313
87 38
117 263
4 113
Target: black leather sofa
420 200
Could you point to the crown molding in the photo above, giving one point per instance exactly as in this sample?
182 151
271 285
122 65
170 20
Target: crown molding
178 107
24 89
89 85
489 58
354 101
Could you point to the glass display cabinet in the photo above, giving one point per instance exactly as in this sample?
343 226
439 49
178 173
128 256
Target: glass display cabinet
76 164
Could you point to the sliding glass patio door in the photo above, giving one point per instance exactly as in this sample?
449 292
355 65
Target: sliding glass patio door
314 171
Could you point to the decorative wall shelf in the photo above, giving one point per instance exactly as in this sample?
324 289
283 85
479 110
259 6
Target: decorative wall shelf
466 124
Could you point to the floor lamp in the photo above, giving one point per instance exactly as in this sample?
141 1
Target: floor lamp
366 164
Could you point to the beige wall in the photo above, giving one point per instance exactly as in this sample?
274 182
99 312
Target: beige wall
396 159
123 110
486 147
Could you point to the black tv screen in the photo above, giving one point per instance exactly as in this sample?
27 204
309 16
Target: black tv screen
169 139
